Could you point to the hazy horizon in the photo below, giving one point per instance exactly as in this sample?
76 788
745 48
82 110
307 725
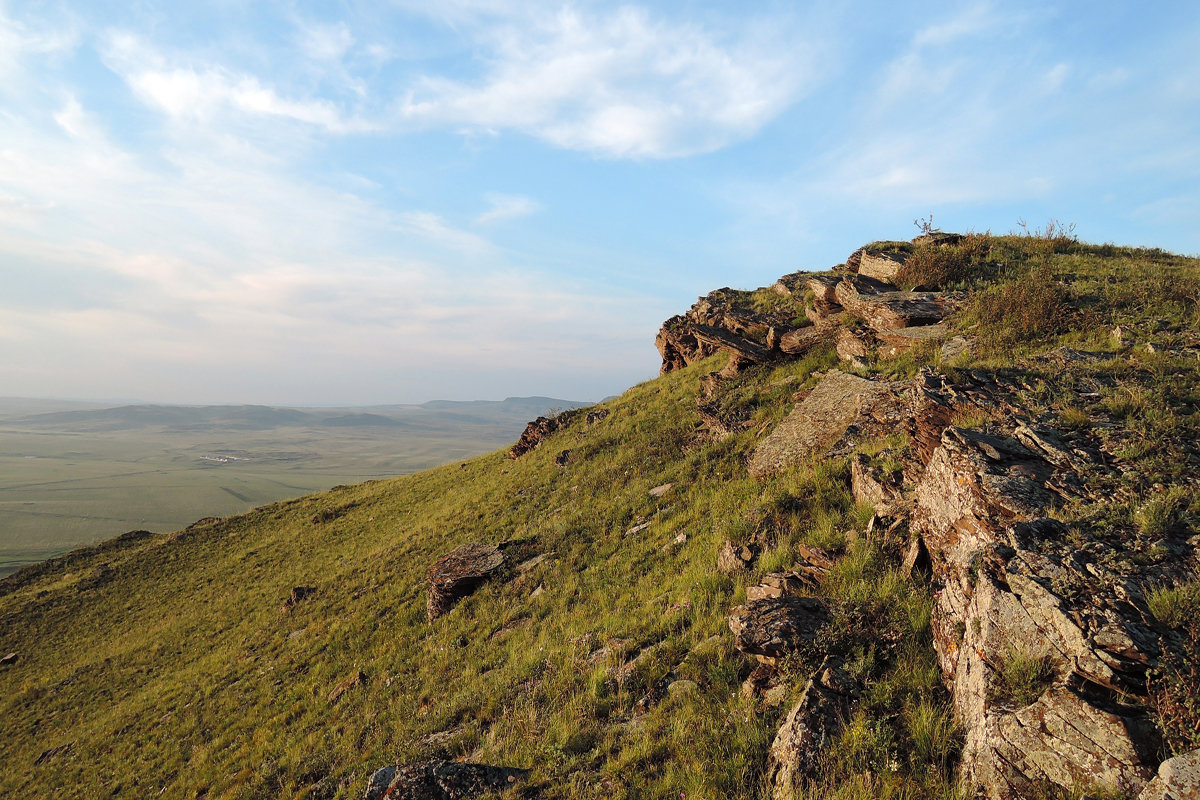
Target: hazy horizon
288 204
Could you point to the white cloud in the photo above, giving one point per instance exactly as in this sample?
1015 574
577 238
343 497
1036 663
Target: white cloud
325 42
505 207
623 84
186 93
18 41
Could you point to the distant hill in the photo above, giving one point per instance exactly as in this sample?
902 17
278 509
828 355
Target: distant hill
439 415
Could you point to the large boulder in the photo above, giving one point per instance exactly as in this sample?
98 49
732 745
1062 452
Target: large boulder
458 573
438 779
822 420
881 266
772 628
1178 779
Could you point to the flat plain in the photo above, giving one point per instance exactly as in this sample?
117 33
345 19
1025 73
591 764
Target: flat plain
72 474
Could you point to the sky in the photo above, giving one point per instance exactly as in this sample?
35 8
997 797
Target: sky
391 202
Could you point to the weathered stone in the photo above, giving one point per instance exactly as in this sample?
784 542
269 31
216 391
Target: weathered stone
790 284
659 491
777 584
824 289
820 420
881 266
8 660
595 417
955 346
299 594
1178 779
721 339
437 779
539 430
732 557
869 485
815 720
801 340
775 627
457 574
1012 585
853 347
884 308
901 340
357 679
938 238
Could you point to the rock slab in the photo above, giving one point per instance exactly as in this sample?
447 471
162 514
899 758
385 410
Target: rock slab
457 574
437 779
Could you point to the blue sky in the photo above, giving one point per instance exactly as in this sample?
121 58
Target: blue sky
292 202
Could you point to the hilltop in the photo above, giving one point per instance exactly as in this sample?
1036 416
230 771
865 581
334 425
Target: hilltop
922 525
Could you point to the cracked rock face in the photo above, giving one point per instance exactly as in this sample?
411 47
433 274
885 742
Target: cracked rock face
822 419
815 720
1016 591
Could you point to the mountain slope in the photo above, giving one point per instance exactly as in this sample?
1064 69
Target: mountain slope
185 663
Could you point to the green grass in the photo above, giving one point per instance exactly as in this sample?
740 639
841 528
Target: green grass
168 665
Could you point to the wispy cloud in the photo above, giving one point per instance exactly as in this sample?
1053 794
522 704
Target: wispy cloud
622 83
505 207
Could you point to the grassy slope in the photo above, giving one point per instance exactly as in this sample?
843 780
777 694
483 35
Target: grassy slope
168 663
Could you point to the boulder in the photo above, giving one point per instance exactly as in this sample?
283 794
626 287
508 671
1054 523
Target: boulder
815 720
1178 779
733 558
8 659
824 289
822 420
799 341
869 485
853 347
457 574
881 266
885 308
438 779
901 340
775 627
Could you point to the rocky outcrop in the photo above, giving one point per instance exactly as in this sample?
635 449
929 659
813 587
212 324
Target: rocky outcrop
815 720
457 574
437 779
539 430
881 266
298 595
1016 592
822 420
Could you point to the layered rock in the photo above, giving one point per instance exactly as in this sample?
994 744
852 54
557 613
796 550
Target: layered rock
885 308
815 721
539 430
772 628
458 573
438 779
1015 591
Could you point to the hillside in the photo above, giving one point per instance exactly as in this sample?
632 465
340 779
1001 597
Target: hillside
918 526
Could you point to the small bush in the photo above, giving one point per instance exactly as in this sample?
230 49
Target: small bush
1176 606
1160 516
1028 310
